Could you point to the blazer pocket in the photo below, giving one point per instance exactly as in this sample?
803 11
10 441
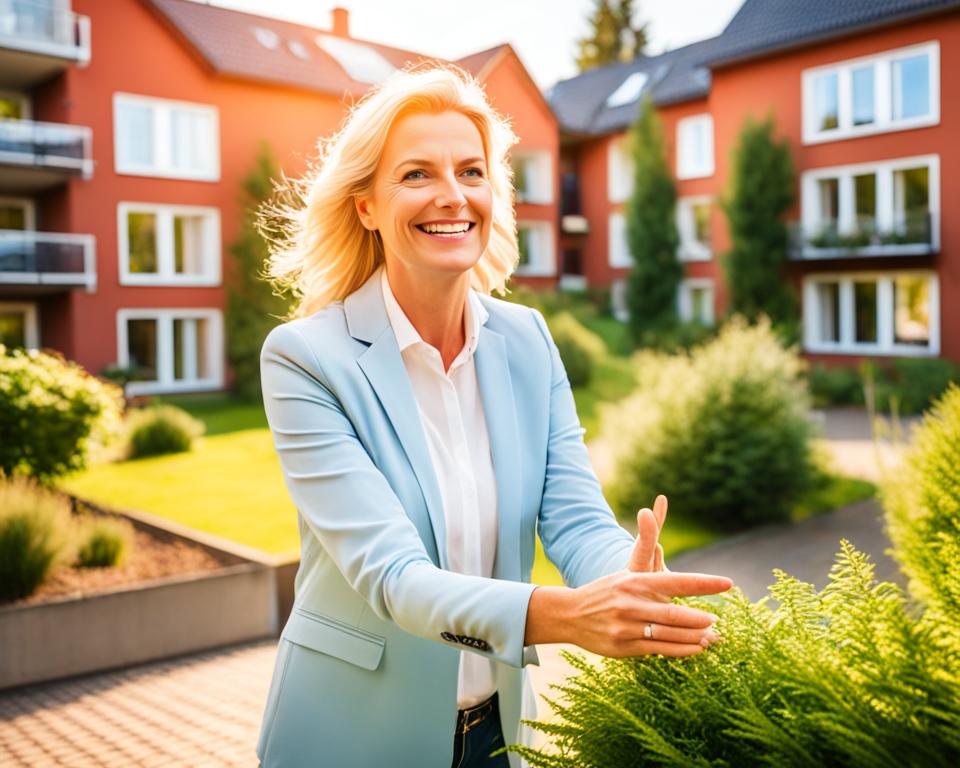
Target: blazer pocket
334 638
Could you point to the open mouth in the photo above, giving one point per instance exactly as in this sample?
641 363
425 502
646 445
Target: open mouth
447 231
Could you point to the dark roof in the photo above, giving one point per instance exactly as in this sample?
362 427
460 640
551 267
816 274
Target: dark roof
672 77
767 26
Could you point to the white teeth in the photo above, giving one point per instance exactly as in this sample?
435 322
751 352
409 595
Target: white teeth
450 228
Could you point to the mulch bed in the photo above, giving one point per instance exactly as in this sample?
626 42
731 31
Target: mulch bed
153 556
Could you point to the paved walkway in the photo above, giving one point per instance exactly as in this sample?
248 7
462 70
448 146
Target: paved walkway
204 710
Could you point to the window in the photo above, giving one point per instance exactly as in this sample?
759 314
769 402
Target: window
619 171
168 245
170 350
619 252
886 208
695 147
18 325
891 91
14 106
695 301
629 90
532 177
693 226
157 137
888 313
537 251
18 213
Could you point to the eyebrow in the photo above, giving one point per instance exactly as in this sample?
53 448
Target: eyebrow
418 161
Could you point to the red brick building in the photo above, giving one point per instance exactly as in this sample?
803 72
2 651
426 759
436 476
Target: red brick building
125 132
861 91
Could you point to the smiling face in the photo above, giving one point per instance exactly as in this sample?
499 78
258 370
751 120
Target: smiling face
431 200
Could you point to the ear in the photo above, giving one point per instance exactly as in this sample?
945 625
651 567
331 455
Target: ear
364 211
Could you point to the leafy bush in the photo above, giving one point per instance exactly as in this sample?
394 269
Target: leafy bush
160 429
34 530
722 431
840 677
102 541
922 501
835 386
915 383
51 413
580 348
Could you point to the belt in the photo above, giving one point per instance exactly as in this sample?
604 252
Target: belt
471 717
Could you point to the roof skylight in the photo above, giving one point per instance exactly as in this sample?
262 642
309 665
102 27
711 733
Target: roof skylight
360 62
629 90
299 50
266 37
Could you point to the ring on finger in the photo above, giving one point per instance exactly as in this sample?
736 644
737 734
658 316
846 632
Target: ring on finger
648 632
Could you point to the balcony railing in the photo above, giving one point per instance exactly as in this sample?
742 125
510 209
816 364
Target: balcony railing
47 258
51 146
40 29
909 235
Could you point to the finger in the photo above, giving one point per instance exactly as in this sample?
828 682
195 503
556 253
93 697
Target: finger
683 584
658 564
660 510
652 647
667 634
669 615
641 559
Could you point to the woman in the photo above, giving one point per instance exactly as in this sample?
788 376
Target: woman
426 431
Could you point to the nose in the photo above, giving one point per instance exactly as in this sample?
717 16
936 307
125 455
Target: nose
449 193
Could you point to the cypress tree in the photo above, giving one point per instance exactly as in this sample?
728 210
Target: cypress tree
761 192
651 231
253 308
612 38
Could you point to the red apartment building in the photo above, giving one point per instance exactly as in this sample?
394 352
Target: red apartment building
126 129
862 92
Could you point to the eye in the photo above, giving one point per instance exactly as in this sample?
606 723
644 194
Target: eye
477 171
410 175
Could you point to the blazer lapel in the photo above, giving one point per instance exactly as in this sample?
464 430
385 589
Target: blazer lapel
383 366
499 409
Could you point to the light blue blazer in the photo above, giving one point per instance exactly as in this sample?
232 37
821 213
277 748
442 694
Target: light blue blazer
366 669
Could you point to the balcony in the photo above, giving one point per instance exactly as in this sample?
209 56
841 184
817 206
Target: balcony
909 235
38 42
46 262
36 156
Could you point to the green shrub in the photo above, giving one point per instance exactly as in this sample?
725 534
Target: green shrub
34 536
834 386
52 413
160 429
580 348
922 502
102 542
722 431
837 677
915 383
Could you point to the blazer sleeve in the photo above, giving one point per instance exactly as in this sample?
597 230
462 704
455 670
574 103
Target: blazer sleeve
579 531
348 504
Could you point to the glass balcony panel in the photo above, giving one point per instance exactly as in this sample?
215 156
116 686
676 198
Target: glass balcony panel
26 142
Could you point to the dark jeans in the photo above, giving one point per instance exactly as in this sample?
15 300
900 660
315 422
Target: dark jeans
472 749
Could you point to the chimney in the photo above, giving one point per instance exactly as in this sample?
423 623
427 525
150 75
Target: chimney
341 22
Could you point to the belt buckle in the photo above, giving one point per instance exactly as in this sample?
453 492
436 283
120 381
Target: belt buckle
469 725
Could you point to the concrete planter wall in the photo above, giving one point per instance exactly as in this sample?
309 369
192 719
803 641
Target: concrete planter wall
248 599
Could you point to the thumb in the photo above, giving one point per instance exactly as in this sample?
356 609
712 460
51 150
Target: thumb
641 559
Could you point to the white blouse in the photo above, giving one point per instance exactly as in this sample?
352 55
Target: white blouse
451 413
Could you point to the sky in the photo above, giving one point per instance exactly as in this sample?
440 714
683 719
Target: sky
542 32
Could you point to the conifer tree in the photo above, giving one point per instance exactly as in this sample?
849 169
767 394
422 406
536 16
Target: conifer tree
761 192
253 308
651 230
613 37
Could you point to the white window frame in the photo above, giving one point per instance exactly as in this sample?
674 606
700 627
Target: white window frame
689 248
161 110
685 303
165 274
617 247
165 383
620 170
884 345
543 255
884 121
538 170
685 167
846 212
29 207
31 325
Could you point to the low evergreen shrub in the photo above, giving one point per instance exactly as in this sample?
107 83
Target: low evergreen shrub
34 536
102 542
915 383
580 348
722 431
160 429
834 386
52 412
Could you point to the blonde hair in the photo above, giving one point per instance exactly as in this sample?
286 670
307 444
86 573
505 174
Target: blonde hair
320 251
